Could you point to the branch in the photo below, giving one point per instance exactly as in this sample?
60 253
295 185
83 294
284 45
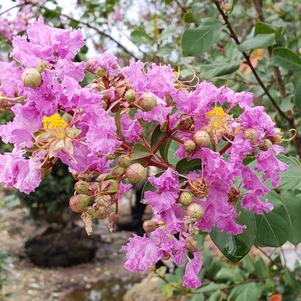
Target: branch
11 8
248 62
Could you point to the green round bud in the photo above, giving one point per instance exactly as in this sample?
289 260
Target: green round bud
202 138
186 198
79 202
149 226
31 78
101 72
124 161
130 95
191 244
195 211
117 171
136 173
189 146
81 187
147 101
110 186
266 144
251 134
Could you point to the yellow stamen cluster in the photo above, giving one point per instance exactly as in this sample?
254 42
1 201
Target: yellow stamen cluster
217 117
217 111
54 122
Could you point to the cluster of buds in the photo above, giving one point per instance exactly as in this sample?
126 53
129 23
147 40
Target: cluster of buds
99 199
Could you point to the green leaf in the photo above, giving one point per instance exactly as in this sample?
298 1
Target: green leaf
286 58
298 95
261 268
265 28
211 287
229 274
189 18
199 40
246 292
169 152
218 69
139 152
290 179
273 227
185 166
235 247
197 297
215 296
259 41
139 36
248 264
292 205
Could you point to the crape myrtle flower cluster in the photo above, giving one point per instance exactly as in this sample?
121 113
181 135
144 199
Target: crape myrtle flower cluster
12 24
97 129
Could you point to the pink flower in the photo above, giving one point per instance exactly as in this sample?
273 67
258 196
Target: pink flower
23 174
192 270
141 253
130 128
270 166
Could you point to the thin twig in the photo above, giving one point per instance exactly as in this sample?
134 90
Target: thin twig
248 61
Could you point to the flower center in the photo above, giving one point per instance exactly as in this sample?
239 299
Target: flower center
54 122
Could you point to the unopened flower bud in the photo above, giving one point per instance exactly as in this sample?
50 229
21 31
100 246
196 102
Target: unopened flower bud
124 161
186 198
41 66
185 123
189 146
31 78
149 226
147 101
81 187
202 138
101 212
130 95
117 171
191 244
91 211
101 72
103 200
266 144
195 211
277 139
163 127
79 202
110 186
251 134
136 173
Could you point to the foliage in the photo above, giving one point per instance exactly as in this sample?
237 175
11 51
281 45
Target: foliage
253 279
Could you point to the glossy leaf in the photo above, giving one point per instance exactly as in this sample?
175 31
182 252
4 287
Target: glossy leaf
290 179
185 166
292 203
265 28
273 228
169 152
218 69
259 41
139 152
286 58
199 40
246 292
235 247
